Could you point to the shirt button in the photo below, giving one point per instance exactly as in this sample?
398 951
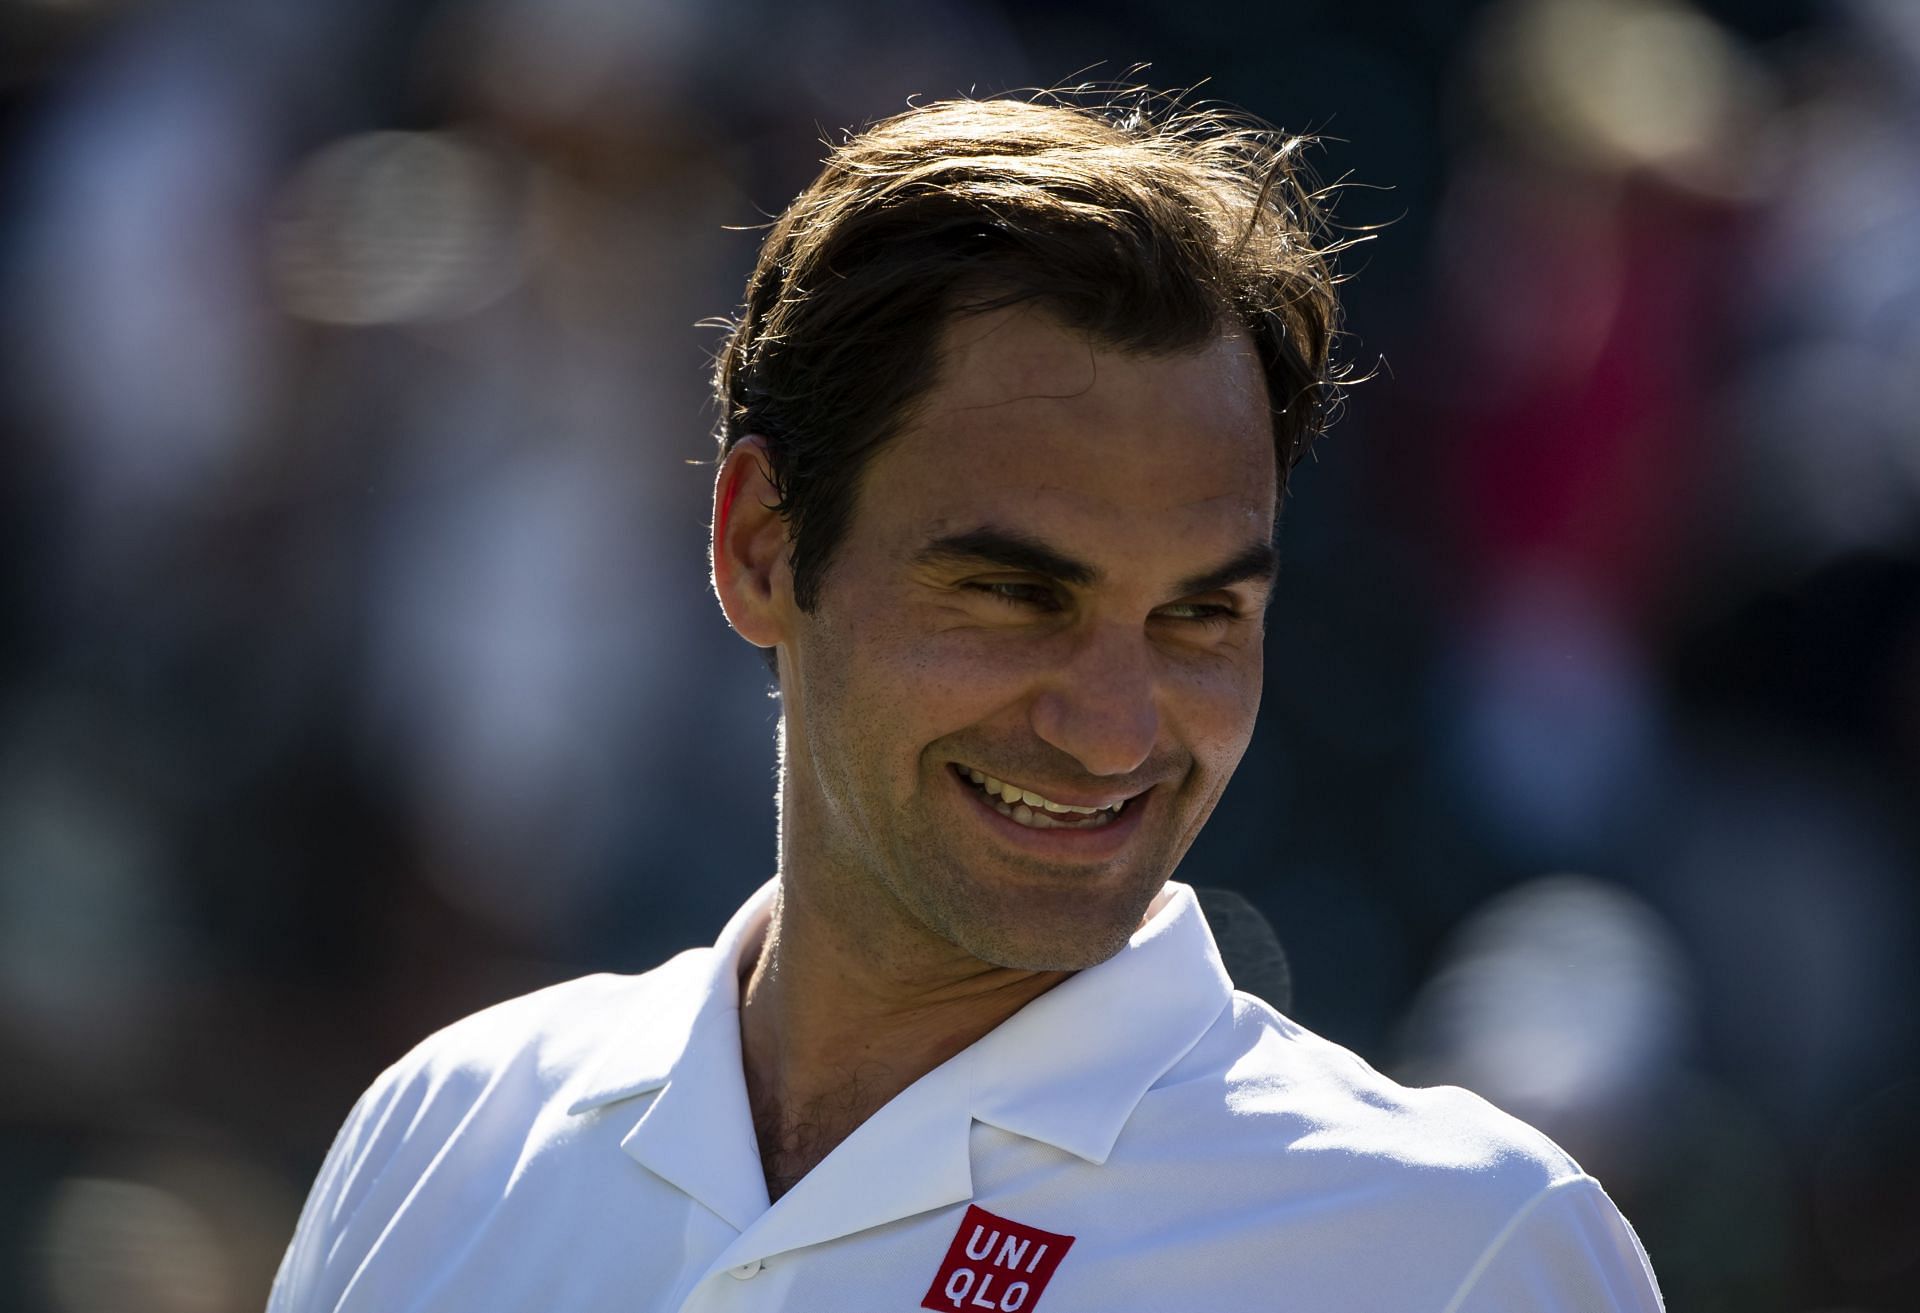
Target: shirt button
746 1271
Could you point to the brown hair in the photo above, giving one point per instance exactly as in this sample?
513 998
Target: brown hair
1149 228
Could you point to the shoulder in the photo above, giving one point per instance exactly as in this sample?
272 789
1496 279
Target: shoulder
507 1066
539 1045
489 1082
1292 1129
1280 1095
1265 1157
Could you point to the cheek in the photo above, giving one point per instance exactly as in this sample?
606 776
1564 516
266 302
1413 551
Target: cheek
885 689
945 658
957 681
1219 702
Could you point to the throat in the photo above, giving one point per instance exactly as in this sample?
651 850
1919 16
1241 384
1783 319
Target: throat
794 1136
833 1028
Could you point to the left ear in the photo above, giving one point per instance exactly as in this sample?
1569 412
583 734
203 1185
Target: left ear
752 557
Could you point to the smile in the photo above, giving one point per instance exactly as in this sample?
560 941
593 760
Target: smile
1035 811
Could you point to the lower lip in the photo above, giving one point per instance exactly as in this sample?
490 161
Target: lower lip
1089 843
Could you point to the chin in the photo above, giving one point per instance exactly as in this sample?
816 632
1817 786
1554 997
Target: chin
1042 956
1059 929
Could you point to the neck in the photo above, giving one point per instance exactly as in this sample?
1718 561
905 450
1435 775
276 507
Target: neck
836 1019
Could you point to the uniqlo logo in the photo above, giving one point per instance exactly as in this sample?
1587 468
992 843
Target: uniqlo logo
994 1263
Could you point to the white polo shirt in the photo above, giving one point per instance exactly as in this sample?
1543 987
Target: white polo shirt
1138 1138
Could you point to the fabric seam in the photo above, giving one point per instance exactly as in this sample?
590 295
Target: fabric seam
1494 1246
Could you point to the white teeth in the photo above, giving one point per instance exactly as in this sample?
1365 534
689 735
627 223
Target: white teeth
1029 808
1040 820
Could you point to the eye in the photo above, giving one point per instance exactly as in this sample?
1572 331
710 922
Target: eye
1213 615
1014 592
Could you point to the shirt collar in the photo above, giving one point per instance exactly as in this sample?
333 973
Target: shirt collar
1068 1069
697 990
682 1037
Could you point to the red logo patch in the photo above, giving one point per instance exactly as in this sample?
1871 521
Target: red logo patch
995 1264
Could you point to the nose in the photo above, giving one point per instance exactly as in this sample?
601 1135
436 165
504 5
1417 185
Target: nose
1102 707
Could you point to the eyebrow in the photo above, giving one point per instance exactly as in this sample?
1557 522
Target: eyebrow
1012 549
1256 562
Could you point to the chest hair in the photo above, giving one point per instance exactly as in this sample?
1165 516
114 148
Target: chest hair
795 1137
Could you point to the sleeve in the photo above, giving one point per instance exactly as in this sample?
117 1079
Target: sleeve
307 1281
1567 1251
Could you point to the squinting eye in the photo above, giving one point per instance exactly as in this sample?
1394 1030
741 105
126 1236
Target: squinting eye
1205 613
1038 596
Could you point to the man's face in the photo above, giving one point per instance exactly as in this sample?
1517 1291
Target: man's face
1054 579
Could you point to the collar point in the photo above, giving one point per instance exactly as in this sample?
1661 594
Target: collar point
596 1099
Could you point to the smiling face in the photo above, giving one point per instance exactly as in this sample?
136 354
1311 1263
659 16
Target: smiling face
1053 581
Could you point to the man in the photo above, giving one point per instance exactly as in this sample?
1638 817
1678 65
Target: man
1007 421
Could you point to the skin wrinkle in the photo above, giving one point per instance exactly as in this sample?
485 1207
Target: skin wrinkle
1092 382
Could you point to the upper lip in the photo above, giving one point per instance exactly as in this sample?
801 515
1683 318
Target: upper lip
1066 796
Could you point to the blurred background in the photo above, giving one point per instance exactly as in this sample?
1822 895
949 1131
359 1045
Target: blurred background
357 667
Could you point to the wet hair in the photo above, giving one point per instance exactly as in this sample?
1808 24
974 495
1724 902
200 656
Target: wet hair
1150 227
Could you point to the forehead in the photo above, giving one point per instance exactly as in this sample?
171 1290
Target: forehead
1032 425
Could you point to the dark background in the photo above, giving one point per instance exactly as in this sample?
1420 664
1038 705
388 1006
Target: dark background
357 667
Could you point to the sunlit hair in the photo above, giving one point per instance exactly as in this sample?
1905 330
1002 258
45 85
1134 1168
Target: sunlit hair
1150 227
